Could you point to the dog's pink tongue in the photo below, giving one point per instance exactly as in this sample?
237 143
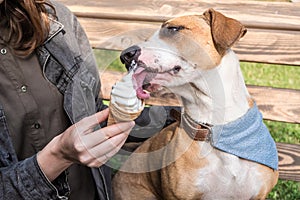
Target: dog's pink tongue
138 80
141 94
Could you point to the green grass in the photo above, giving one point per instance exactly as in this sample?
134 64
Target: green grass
254 74
285 190
271 75
284 132
109 60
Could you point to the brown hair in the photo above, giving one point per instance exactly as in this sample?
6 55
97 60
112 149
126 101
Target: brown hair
27 23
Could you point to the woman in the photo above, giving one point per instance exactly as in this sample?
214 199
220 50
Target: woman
50 142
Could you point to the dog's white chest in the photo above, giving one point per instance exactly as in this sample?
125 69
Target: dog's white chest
228 177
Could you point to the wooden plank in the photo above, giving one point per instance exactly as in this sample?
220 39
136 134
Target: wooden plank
273 36
269 46
275 104
116 35
272 13
289 161
257 46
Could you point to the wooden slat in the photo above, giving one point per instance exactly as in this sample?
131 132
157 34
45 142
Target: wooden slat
289 161
275 13
275 104
269 46
116 35
273 36
258 45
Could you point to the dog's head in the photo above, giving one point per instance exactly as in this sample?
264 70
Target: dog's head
182 46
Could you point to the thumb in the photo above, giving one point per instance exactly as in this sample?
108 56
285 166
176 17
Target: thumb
102 115
93 120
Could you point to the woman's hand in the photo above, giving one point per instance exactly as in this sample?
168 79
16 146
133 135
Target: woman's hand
81 144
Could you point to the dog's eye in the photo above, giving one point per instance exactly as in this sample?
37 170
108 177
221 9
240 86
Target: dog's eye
175 28
176 69
170 30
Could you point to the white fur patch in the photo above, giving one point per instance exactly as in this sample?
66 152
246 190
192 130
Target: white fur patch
228 177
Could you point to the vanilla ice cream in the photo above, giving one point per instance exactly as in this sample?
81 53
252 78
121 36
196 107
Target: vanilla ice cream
124 103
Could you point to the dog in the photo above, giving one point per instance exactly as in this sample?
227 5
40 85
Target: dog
219 148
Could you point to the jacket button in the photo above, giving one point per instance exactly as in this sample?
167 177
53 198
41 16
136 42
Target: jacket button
3 51
37 126
9 157
24 88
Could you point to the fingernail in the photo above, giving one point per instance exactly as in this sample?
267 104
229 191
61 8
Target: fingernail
132 123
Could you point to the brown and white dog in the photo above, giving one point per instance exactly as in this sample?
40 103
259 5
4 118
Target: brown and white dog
191 56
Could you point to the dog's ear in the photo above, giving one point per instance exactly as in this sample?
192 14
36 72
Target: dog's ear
225 31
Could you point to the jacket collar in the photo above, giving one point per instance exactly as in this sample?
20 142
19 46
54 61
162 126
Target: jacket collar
55 28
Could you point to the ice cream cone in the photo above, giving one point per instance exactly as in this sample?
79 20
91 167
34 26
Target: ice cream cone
124 104
117 114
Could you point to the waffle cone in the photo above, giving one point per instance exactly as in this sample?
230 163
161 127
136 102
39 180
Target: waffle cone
116 115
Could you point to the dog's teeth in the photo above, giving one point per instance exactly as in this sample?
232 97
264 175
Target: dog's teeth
160 88
133 64
147 92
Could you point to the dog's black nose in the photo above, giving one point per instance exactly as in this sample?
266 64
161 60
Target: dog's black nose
130 54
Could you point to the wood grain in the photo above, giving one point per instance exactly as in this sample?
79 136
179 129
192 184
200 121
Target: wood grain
273 28
257 46
272 13
277 104
274 103
289 161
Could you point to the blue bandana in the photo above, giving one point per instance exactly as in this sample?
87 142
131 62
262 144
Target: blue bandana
248 138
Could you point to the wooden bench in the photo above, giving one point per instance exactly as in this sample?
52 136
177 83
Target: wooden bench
273 37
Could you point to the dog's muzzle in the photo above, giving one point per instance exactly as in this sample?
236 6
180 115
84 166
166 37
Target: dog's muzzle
129 55
141 79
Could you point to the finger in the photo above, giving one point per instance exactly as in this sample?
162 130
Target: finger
109 147
88 123
102 115
115 129
100 160
117 149
97 137
103 159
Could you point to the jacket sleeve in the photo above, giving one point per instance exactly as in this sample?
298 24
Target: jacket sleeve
25 180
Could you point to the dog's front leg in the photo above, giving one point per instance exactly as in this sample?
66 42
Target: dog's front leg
133 189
